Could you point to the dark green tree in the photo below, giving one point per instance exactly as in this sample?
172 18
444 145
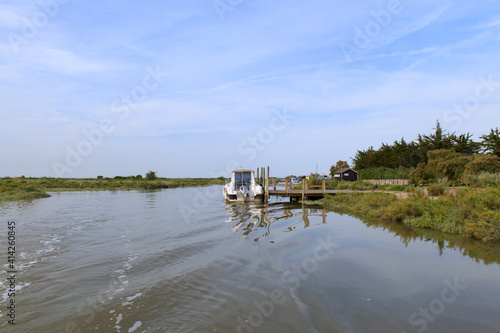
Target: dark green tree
151 175
491 142
463 144
339 165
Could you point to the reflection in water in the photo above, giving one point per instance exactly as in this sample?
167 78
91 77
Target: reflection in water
254 216
258 217
487 252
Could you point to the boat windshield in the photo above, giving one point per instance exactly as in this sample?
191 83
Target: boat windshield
242 178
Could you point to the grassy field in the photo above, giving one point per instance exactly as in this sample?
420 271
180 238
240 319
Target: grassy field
13 189
467 212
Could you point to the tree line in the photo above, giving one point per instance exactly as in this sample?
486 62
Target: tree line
438 156
411 154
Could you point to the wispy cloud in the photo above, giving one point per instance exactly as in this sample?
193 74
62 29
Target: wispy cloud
227 77
418 24
65 62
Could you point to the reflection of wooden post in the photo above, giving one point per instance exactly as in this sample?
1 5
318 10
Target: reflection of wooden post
305 217
267 188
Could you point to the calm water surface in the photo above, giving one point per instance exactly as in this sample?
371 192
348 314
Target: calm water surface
181 260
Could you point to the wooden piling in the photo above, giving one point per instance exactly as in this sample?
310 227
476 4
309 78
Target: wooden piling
267 184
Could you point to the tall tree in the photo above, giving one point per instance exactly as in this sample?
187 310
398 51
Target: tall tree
339 165
437 140
491 142
464 144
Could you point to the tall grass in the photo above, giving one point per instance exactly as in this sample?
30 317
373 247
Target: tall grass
12 191
32 188
385 173
469 213
484 179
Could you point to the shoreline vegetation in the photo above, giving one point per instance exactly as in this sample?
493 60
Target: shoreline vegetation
466 211
455 184
17 189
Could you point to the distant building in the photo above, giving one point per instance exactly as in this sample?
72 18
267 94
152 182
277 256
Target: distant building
346 174
100 177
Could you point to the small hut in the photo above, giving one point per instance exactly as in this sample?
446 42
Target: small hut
346 174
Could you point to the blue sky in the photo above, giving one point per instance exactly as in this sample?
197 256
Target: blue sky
195 88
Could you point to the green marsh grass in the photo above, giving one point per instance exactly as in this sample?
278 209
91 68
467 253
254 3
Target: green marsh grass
468 212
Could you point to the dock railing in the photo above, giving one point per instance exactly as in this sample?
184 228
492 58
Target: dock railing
286 187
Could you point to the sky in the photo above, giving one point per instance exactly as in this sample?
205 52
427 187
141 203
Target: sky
198 88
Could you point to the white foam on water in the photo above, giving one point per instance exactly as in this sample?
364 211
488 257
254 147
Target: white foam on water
5 295
22 285
21 267
135 327
119 318
131 298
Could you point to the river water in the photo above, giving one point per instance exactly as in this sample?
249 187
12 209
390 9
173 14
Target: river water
182 260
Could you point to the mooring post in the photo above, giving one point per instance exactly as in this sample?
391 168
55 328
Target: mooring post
286 186
304 184
258 179
323 186
267 184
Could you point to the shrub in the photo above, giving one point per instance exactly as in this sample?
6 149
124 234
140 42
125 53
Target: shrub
398 188
484 179
435 190
444 182
151 175
385 173
483 163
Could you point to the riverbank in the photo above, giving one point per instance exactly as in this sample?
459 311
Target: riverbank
15 189
467 212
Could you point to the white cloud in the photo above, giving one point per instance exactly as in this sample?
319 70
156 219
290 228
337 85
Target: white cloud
65 62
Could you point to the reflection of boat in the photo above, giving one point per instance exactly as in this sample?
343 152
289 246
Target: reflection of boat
243 187
261 218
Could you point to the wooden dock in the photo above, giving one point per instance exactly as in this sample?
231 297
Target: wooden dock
302 191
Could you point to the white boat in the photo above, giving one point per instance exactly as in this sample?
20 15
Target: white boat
243 187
